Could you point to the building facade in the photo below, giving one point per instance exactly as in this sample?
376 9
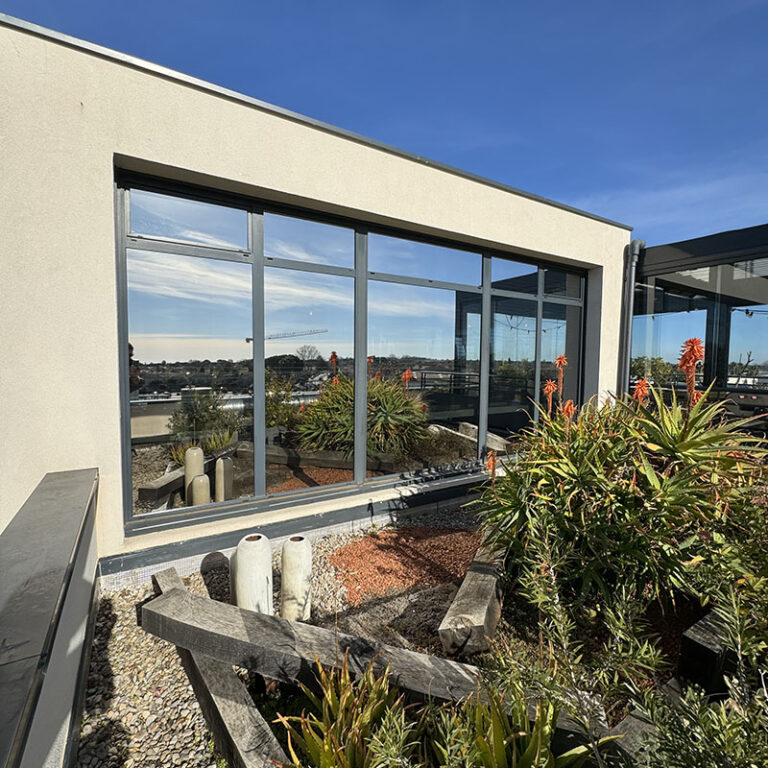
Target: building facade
186 266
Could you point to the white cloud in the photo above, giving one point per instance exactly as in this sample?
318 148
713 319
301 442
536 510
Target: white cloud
154 347
682 205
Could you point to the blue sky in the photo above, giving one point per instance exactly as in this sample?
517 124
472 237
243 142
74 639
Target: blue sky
651 113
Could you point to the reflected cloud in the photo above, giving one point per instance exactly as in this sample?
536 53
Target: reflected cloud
177 347
188 278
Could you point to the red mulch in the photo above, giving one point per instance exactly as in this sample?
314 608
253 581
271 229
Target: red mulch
310 477
395 560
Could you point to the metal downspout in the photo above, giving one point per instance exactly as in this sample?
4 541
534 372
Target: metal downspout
633 254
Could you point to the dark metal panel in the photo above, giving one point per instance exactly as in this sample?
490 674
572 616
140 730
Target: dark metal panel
259 372
305 266
485 358
361 357
180 247
422 281
38 550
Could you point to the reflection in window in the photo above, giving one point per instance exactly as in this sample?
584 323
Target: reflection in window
191 221
423 369
561 335
309 389
286 237
513 364
665 316
558 282
508 275
191 377
395 256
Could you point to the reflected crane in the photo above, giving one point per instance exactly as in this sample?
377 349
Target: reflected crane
290 334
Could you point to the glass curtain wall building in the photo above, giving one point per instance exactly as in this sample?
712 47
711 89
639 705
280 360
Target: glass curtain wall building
300 352
714 288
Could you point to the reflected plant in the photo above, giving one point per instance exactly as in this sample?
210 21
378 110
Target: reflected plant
396 418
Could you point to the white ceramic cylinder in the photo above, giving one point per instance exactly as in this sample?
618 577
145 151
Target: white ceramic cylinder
201 490
296 580
251 574
225 475
194 463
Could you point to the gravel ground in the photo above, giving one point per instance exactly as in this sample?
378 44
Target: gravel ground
140 709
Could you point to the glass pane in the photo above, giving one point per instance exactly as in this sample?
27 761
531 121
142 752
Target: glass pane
558 282
561 335
513 366
191 221
743 299
286 237
667 311
191 377
309 350
510 275
396 256
423 371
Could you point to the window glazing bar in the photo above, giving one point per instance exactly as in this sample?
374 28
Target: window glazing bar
303 266
360 461
383 277
539 323
123 366
259 410
140 243
485 359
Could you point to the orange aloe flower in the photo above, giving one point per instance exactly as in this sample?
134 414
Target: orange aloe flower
301 408
490 465
641 391
334 358
569 409
549 389
691 355
406 377
561 361
335 380
377 375
370 363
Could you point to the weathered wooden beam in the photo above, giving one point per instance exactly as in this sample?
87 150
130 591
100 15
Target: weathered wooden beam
286 651
704 655
472 617
240 732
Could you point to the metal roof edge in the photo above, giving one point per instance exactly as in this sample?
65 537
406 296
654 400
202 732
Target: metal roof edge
171 74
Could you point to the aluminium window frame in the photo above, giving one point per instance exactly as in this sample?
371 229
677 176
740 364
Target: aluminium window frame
255 209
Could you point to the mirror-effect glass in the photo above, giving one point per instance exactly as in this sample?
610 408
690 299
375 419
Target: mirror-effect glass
513 365
724 305
190 221
423 377
561 338
508 275
558 282
396 256
191 380
309 381
286 237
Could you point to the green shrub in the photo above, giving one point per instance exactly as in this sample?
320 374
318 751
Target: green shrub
626 493
396 418
216 441
279 411
202 416
365 724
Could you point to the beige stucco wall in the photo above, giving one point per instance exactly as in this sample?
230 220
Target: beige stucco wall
67 117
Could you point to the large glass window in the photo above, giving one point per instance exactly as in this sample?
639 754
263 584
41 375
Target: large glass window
309 382
725 305
206 302
395 256
191 379
513 364
312 242
192 221
561 336
423 366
